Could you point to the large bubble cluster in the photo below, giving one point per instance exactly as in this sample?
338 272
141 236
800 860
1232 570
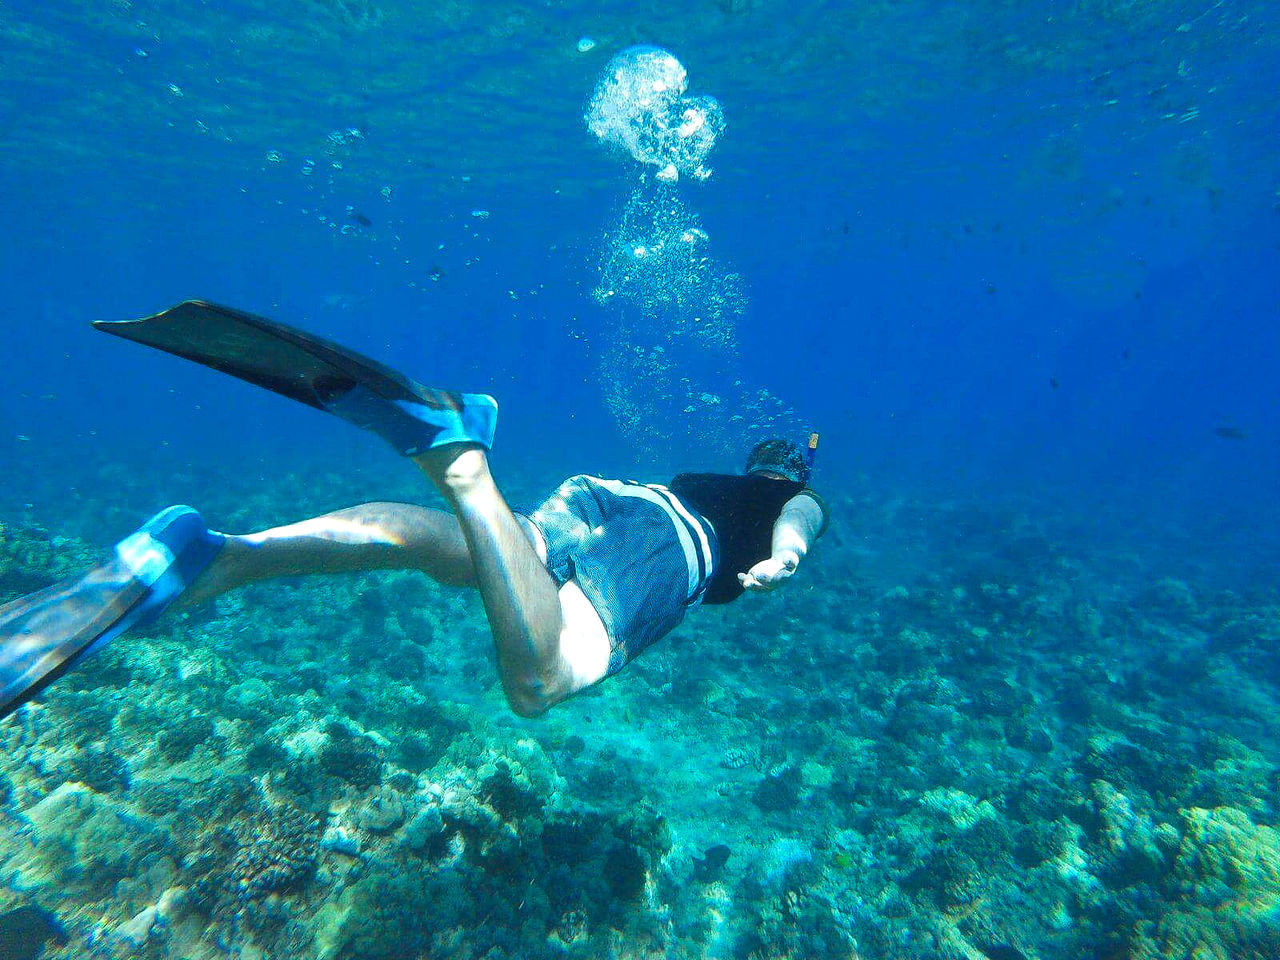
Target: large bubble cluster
640 106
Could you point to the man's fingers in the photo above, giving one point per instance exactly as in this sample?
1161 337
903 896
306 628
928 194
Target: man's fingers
767 574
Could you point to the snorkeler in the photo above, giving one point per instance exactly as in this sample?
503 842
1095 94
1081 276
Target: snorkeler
573 591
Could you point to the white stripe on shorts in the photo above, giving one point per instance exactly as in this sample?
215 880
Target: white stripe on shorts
708 556
621 489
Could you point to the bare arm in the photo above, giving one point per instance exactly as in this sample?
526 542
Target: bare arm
794 532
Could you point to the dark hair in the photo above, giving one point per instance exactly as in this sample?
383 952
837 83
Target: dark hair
781 456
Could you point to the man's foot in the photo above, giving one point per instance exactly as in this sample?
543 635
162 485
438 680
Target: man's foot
231 568
46 633
455 468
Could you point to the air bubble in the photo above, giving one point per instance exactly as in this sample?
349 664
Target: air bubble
640 106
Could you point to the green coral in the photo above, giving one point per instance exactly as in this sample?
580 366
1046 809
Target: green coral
1127 850
1226 893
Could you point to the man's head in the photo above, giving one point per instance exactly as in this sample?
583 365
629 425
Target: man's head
779 456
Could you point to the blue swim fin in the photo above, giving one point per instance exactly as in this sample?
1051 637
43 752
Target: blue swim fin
45 634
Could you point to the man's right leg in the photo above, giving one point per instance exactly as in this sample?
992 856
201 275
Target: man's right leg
550 641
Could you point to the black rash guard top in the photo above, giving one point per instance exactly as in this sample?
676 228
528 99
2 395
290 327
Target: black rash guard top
742 510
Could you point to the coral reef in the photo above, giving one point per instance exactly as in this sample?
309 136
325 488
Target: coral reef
1024 750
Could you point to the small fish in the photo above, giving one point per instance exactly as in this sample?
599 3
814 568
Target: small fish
25 930
355 216
1053 383
708 867
1228 432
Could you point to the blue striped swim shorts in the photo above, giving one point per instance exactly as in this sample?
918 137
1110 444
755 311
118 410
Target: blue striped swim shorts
640 555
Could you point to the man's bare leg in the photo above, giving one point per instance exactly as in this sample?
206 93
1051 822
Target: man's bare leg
371 536
521 599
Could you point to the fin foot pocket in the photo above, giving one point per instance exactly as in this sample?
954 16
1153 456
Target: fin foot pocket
413 428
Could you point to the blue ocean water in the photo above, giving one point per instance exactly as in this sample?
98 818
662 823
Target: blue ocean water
1014 262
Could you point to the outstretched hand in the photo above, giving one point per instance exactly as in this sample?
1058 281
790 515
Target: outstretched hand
768 574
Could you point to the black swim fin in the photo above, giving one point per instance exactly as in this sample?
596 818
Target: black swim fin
317 372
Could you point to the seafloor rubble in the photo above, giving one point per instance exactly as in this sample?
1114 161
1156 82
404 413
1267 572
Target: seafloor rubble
967 733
